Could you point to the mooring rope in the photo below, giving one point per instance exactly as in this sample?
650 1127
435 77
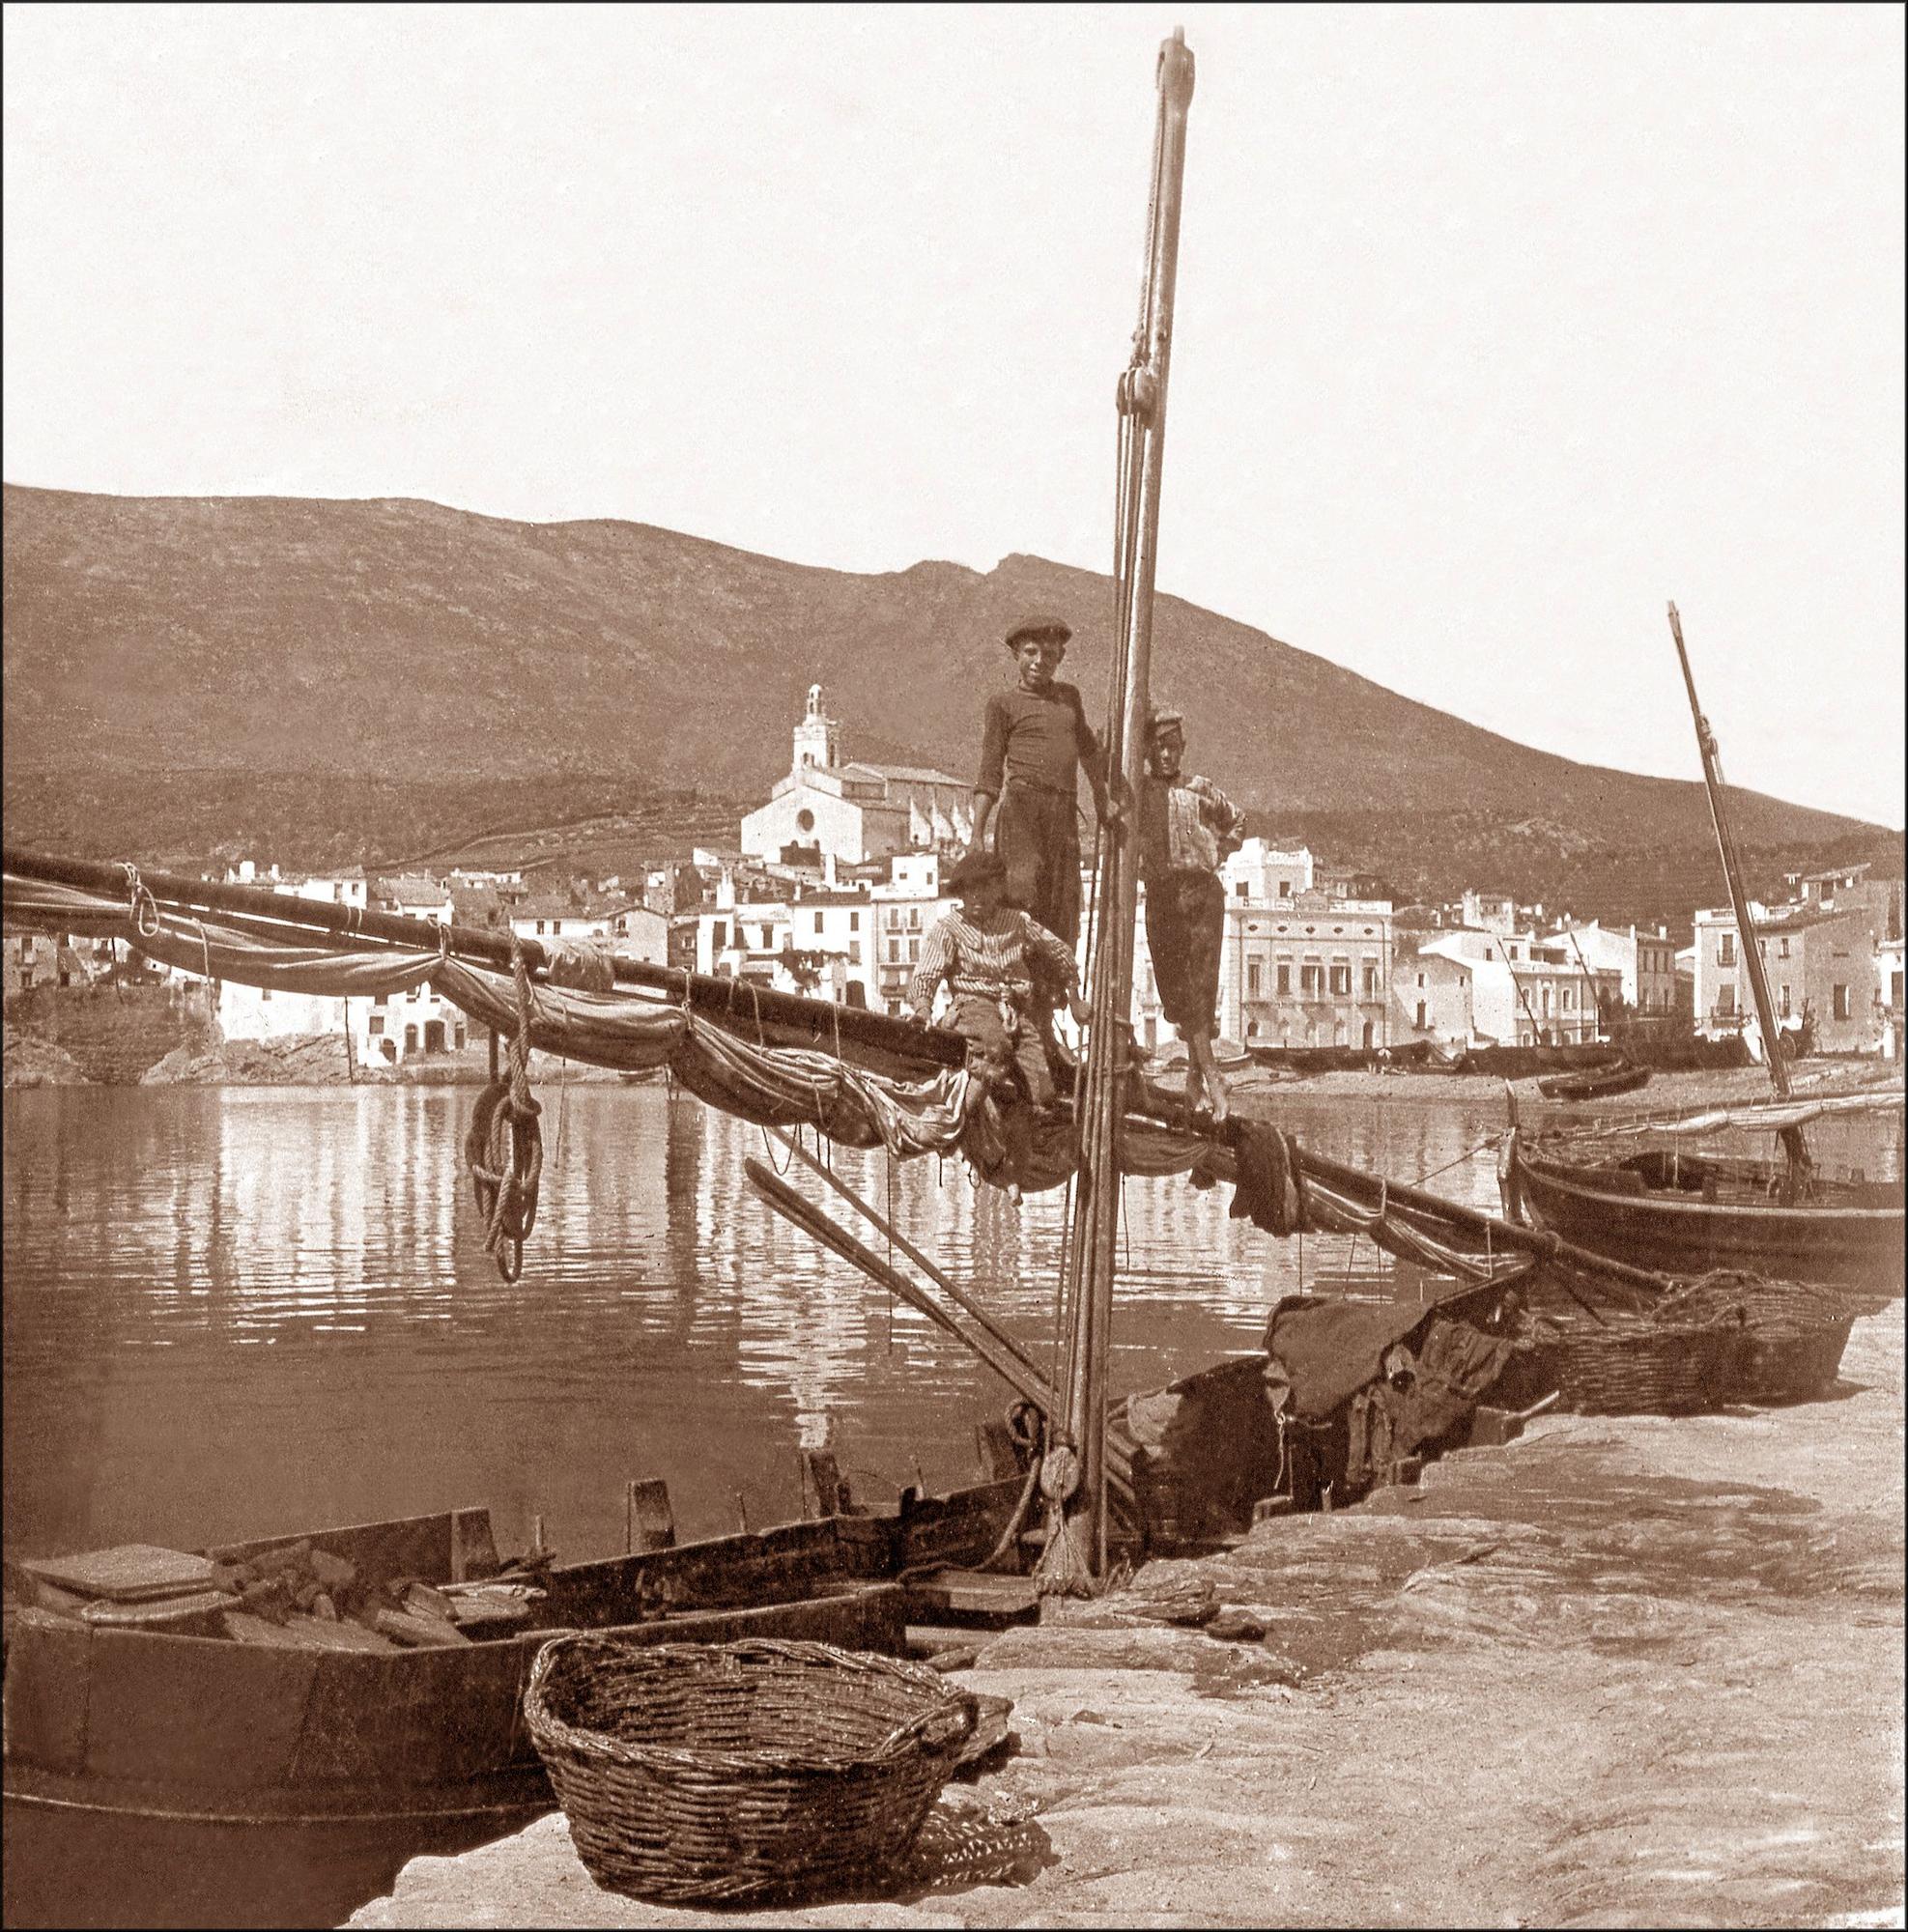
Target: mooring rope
503 1149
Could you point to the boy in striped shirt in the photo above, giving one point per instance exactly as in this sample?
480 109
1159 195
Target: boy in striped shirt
996 961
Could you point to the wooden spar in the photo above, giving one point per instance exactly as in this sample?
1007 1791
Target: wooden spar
797 1208
966 1303
1524 997
1596 998
1758 982
1025 1381
1077 1490
1506 1234
819 1021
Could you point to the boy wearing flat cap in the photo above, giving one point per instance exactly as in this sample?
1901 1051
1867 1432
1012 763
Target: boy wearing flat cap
1000 964
1188 828
1035 741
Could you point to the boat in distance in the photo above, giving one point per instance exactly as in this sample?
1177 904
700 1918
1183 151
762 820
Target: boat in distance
1597 1083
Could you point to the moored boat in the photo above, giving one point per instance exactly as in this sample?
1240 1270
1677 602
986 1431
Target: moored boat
280 1781
1597 1084
1686 1211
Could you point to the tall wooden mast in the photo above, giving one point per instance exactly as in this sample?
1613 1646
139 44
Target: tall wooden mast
1732 872
1074 1476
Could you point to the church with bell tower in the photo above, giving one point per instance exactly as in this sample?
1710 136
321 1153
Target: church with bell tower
854 812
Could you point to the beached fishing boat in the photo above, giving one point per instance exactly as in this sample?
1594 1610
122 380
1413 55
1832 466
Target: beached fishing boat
1644 1197
1597 1084
1685 1209
235 1761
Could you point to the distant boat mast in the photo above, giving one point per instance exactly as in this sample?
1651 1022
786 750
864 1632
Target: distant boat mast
1732 872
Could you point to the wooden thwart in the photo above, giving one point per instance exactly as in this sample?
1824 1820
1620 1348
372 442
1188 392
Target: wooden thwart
648 1516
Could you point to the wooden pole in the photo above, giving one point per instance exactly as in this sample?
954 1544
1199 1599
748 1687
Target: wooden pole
1024 1381
1758 982
966 1303
1726 844
1075 1480
1596 998
1524 997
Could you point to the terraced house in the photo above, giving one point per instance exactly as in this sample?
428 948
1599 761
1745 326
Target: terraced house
1823 962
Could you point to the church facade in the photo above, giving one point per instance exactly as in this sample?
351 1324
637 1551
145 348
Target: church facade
854 812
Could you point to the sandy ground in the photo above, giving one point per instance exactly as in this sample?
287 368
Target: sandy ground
1624 1672
1664 1092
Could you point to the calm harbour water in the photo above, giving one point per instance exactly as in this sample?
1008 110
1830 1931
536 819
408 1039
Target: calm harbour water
243 1311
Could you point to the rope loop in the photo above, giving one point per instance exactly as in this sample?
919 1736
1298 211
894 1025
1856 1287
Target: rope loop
503 1149
144 907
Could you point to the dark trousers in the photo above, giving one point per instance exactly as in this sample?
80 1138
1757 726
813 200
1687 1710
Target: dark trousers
1186 928
1037 839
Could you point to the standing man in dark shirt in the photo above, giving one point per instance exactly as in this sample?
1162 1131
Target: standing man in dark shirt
1034 743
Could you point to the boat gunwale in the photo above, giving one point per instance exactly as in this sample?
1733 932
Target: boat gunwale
1566 1179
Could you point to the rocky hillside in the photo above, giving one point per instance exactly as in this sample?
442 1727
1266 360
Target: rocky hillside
391 676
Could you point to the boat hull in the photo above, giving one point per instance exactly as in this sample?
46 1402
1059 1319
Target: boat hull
1598 1086
1857 1247
156 1779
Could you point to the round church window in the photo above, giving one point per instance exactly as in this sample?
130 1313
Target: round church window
804 818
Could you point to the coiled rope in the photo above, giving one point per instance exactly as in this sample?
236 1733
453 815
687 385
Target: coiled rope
503 1149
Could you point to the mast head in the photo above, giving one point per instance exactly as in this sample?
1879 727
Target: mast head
1176 69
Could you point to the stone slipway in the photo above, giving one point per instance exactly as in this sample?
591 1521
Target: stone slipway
1624 1672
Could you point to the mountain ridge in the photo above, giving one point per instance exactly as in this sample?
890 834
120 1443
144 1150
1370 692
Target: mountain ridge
397 644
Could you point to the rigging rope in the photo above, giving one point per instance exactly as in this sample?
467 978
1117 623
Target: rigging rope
503 1149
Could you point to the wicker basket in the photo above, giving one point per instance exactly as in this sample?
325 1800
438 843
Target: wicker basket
1722 1338
743 1771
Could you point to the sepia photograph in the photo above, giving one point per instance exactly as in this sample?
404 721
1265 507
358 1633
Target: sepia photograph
886 1044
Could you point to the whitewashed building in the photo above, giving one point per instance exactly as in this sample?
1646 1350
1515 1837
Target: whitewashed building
1644 960
1261 874
1473 987
382 1031
1822 960
1307 971
854 812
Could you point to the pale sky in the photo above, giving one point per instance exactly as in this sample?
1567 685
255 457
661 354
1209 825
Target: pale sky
1497 326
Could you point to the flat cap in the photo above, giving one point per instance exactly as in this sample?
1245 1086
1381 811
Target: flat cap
1039 624
974 869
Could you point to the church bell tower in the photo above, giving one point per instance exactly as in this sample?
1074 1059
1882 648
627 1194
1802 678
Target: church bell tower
815 735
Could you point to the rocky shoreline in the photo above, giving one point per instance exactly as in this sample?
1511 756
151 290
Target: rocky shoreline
298 1059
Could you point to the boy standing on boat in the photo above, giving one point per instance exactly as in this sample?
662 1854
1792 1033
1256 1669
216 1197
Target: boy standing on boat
1035 741
1002 968
1187 829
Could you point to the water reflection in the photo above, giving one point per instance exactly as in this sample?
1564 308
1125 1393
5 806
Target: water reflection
234 1312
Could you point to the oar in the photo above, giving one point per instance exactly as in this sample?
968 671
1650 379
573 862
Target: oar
967 1305
803 1213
